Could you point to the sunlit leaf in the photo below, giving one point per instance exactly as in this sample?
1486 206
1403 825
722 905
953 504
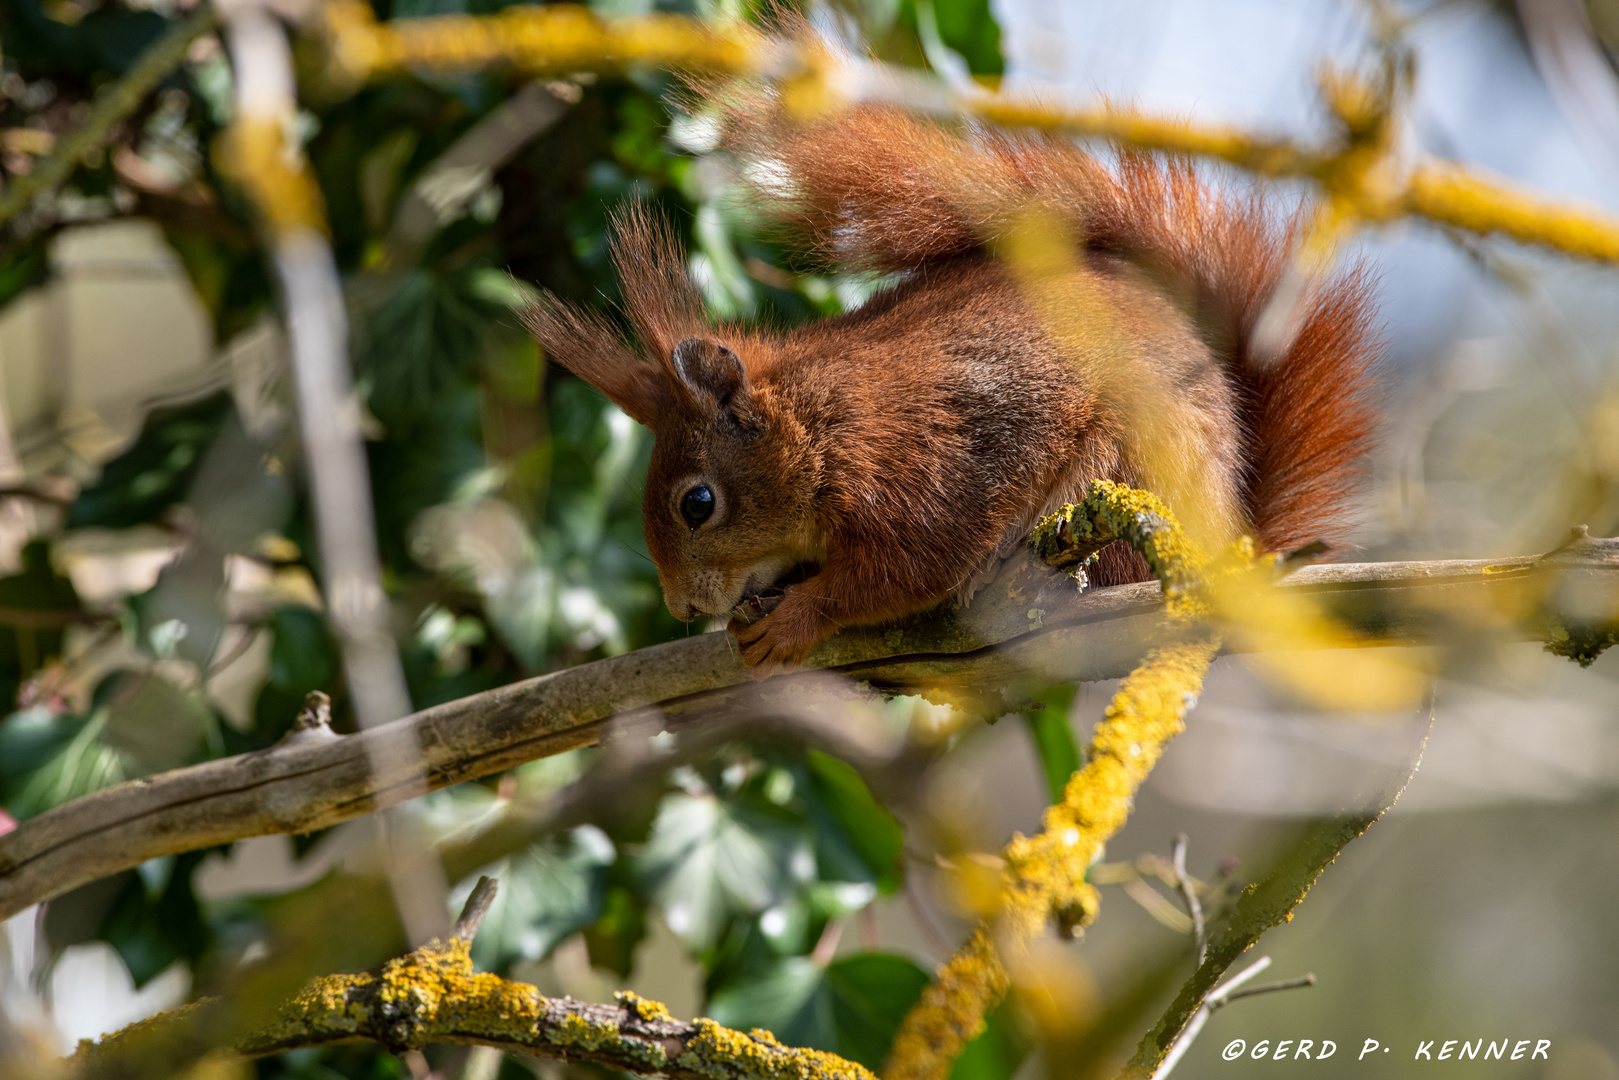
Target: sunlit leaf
710 858
547 892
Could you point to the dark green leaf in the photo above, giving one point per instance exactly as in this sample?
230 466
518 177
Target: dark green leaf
851 1008
29 740
1054 739
847 817
72 759
37 587
149 915
998 1052
613 939
968 27
138 485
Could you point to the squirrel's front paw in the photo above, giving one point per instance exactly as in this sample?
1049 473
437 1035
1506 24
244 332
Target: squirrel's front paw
783 638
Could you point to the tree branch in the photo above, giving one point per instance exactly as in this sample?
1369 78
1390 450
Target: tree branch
1262 905
1028 629
432 995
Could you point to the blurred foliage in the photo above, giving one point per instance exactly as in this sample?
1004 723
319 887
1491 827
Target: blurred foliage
506 500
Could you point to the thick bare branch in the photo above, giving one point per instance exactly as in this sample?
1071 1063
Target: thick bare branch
1028 629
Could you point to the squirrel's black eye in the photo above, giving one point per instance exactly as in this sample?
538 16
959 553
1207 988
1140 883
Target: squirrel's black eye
696 505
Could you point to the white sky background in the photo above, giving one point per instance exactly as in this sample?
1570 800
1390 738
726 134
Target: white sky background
1252 63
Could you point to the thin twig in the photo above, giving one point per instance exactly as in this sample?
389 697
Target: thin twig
477 906
1189 894
1353 166
1220 1001
1219 998
1262 906
1201 1016
1153 902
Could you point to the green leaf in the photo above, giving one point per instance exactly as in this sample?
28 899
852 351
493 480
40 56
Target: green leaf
36 588
546 893
139 724
1054 739
152 724
998 1051
968 27
157 921
847 818
612 941
138 485
851 1008
709 859
424 340
72 759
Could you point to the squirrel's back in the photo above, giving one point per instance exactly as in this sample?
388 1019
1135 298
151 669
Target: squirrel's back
1053 321
877 189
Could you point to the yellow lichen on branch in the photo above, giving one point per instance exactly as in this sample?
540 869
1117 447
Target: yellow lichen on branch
1043 876
554 39
433 995
1455 196
1360 172
254 152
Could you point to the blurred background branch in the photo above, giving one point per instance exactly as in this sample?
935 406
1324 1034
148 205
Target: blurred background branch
274 172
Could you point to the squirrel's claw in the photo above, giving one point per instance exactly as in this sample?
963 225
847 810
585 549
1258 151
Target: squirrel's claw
781 640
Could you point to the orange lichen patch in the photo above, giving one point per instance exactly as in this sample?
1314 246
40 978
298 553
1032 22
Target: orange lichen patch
1114 511
558 38
642 1007
1045 875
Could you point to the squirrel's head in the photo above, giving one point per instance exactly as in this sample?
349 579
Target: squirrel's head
729 493
727 509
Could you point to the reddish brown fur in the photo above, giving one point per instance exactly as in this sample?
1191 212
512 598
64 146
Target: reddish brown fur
904 448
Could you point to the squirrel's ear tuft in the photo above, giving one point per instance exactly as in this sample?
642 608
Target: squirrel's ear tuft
715 378
593 349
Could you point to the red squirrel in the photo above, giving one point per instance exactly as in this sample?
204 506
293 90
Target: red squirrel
1052 320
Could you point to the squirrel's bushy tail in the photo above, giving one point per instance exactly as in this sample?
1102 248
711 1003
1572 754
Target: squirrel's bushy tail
876 189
